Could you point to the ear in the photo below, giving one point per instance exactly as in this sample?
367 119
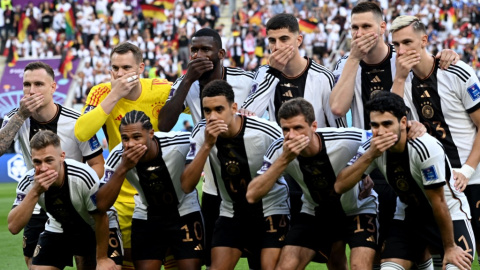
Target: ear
62 156
403 123
234 107
54 87
424 41
141 68
299 40
383 27
221 53
314 125
151 133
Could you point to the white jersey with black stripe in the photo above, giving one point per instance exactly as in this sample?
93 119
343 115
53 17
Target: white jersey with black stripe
62 124
240 80
314 84
443 102
174 147
243 160
83 184
339 144
421 166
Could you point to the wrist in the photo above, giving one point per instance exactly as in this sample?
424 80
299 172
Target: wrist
21 116
467 171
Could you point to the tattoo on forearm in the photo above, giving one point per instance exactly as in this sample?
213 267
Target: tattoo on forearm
7 133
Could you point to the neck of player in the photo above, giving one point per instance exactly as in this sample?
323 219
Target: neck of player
314 147
377 54
234 127
135 93
295 66
46 113
61 176
217 74
426 65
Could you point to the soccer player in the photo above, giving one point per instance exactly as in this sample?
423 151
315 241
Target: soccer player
430 212
289 75
235 145
66 190
107 103
447 102
206 65
164 216
38 111
313 157
366 70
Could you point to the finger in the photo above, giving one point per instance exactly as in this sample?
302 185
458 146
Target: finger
112 75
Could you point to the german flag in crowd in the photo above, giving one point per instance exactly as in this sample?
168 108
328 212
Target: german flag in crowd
307 26
167 4
152 11
256 19
22 27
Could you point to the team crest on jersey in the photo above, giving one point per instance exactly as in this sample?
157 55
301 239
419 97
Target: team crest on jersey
20 198
474 91
430 174
192 151
94 143
89 108
37 250
108 175
265 166
232 167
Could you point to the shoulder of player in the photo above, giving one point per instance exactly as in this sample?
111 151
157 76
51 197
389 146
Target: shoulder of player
200 126
173 138
115 156
81 173
318 70
341 62
233 72
268 127
98 93
11 113
69 113
26 181
274 147
460 70
425 146
341 134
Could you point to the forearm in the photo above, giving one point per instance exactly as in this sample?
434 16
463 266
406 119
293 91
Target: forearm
398 86
101 234
97 164
21 214
474 157
443 219
352 174
108 193
8 132
193 171
90 123
344 90
168 115
262 184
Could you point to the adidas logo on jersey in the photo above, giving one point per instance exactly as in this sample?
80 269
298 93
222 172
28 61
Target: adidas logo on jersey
371 239
57 202
288 94
199 247
425 94
376 80
115 254
119 117
282 238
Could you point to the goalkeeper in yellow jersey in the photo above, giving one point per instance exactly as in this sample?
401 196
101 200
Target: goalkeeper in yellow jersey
107 103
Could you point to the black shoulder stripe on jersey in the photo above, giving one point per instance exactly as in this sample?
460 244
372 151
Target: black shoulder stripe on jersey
70 111
238 72
460 69
197 128
366 144
178 142
82 174
26 181
420 148
114 158
274 147
338 62
264 86
179 79
441 145
264 130
316 67
12 112
458 73
69 115
357 136
343 137
255 76
185 136
337 133
252 123
340 123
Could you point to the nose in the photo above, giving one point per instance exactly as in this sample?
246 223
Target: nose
401 49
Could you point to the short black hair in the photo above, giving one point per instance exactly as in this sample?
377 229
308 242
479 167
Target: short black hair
364 7
297 106
125 47
283 21
208 32
219 88
40 65
385 101
133 117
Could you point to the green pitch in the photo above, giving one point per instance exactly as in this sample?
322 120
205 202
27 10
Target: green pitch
11 255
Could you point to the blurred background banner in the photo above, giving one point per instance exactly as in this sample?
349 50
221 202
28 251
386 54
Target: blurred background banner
11 85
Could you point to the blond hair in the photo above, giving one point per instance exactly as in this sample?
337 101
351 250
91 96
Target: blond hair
404 21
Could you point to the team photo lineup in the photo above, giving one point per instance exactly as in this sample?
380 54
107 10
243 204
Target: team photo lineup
364 159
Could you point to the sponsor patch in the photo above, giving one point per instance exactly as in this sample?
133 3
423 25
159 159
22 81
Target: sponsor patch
4 123
89 108
254 88
265 166
94 143
94 198
369 134
474 91
336 78
354 158
20 198
193 147
430 174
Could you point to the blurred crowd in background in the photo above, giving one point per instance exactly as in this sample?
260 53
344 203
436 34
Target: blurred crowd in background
162 29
